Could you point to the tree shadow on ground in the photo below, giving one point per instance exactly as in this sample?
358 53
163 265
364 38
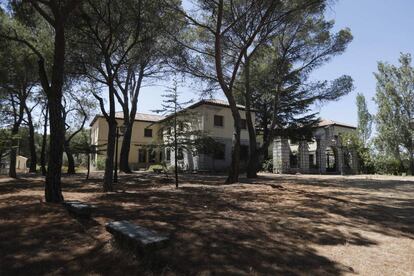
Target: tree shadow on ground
269 226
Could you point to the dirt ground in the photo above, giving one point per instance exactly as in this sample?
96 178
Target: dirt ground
275 225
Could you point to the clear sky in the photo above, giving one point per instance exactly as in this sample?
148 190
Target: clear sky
381 29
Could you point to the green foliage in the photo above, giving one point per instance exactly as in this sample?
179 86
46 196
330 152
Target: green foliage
267 165
388 165
280 70
354 143
156 167
395 100
100 163
364 119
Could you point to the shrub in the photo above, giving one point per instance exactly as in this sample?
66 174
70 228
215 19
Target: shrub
100 163
267 165
155 167
388 165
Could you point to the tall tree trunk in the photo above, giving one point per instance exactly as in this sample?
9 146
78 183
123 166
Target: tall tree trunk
175 143
125 148
44 141
129 123
33 157
110 148
234 170
89 166
109 160
13 154
71 160
411 159
18 118
53 191
252 164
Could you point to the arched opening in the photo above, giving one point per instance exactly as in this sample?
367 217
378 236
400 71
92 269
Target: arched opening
293 160
331 160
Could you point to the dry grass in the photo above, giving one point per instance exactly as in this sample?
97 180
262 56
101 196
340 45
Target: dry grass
275 225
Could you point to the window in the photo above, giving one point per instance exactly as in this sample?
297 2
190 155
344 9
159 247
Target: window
220 152
243 124
142 156
168 155
147 132
161 156
218 120
311 161
180 154
294 160
151 156
244 152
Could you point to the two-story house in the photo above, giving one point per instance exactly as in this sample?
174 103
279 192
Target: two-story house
214 120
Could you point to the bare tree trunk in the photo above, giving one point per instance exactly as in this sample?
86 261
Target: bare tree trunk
18 117
53 191
411 160
109 161
89 167
234 171
44 141
33 157
13 153
252 164
71 160
125 148
110 148
175 144
129 123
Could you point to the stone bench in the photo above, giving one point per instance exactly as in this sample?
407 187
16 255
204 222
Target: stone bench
135 237
78 208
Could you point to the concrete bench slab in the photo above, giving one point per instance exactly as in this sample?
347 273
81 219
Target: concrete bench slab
138 237
78 208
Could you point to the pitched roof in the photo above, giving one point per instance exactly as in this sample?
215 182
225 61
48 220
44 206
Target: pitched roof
218 102
142 117
324 122
157 118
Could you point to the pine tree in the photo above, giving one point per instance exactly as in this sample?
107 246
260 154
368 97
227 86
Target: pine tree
180 130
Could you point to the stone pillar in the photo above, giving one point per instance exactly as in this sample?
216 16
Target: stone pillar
354 161
303 156
321 155
281 155
339 159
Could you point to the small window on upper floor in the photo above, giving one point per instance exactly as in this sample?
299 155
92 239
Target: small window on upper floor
147 132
218 120
168 155
243 124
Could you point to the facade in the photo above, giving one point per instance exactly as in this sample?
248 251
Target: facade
325 153
214 120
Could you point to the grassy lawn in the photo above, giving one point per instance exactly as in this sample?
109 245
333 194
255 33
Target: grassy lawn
275 225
